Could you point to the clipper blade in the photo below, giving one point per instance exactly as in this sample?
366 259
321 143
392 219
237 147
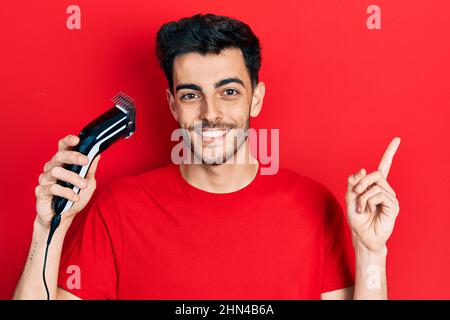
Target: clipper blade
126 103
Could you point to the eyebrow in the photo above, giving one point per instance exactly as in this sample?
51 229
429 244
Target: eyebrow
227 81
218 84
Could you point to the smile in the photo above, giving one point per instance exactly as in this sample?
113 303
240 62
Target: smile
210 135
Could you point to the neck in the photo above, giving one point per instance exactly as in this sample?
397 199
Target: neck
222 178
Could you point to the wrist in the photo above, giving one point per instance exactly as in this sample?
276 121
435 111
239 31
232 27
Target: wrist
39 226
42 228
364 253
362 248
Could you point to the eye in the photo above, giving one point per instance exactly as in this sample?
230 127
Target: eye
188 96
231 92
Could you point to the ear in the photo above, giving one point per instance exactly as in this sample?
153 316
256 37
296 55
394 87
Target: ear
257 99
172 106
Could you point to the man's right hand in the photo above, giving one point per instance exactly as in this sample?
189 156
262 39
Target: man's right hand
53 171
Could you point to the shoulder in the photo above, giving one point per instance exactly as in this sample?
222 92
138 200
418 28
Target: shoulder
307 191
292 179
154 179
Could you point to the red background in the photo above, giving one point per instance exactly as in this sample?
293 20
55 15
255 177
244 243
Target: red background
337 91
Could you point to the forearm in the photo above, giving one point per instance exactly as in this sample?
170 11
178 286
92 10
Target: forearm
370 274
31 285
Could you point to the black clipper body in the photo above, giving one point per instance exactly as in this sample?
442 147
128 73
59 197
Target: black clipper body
116 123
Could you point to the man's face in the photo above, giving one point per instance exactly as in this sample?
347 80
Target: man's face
213 99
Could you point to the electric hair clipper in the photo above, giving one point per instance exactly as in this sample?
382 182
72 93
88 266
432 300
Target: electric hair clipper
116 123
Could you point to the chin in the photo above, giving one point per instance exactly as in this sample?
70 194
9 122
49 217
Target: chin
217 160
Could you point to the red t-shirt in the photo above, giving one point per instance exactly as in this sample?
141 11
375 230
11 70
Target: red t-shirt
155 236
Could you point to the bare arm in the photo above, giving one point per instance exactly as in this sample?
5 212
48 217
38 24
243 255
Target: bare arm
340 294
370 278
65 295
31 284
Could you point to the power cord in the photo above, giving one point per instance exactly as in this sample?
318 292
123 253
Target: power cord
53 225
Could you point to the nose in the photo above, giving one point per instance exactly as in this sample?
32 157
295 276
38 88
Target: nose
210 111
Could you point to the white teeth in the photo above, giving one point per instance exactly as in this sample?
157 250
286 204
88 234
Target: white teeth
213 133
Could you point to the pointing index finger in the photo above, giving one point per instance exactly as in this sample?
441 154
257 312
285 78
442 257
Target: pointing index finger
386 160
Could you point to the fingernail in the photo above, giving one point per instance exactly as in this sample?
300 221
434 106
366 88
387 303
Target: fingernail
358 188
359 209
82 159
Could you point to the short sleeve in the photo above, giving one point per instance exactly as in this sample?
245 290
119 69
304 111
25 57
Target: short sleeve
339 265
92 250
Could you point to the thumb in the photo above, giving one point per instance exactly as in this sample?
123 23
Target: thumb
91 172
352 182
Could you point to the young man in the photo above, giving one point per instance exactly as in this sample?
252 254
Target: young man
216 229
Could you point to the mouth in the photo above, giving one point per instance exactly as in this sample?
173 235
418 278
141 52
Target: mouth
213 135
